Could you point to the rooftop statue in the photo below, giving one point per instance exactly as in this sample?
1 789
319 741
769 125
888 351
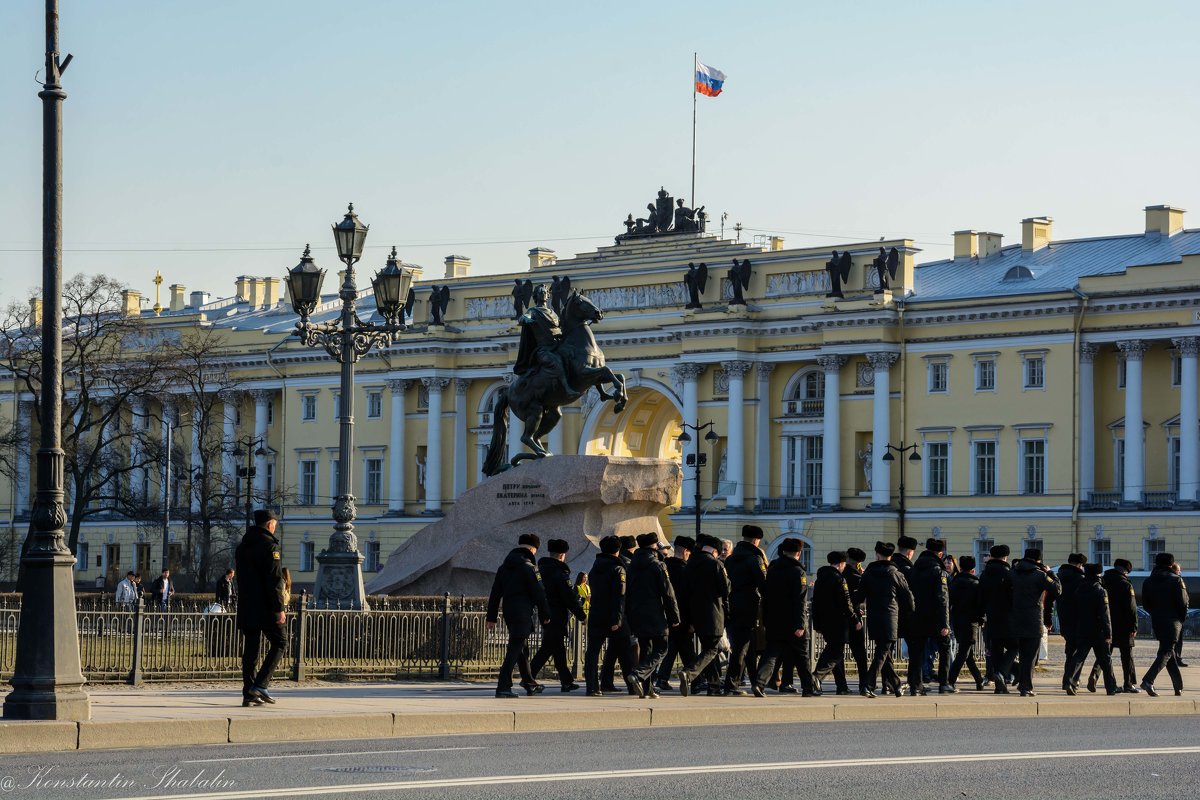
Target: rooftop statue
886 264
522 294
838 268
739 278
555 364
560 290
439 300
664 215
694 280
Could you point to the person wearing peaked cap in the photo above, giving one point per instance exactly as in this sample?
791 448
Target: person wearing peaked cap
1165 598
262 607
564 603
858 634
679 638
518 586
1032 584
707 588
746 567
887 595
786 616
653 611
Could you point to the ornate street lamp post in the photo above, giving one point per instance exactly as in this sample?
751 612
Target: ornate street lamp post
47 680
251 448
888 457
697 459
339 581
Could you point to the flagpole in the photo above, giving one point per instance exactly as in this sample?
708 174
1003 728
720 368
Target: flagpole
695 66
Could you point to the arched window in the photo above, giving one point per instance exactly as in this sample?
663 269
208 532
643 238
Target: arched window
808 396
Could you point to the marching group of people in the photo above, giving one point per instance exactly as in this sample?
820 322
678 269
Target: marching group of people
647 605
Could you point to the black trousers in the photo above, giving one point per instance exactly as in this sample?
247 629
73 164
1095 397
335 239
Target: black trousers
1103 653
553 649
833 658
1004 655
940 645
709 646
618 645
858 648
627 656
740 657
965 636
916 662
881 662
515 655
796 649
1166 658
1027 651
681 644
1128 674
275 640
651 650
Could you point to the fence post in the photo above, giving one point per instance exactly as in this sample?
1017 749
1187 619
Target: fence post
576 644
299 671
135 670
444 657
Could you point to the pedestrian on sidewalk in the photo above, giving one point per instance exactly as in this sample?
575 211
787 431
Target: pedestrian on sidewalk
584 590
747 570
966 613
996 596
1122 608
858 635
652 610
564 603
518 588
708 601
786 611
679 638
227 590
1033 586
261 611
1165 598
162 590
930 586
1092 629
127 593
1070 575
627 655
607 578
833 615
888 599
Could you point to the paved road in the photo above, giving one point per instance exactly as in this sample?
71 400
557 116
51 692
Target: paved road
1102 758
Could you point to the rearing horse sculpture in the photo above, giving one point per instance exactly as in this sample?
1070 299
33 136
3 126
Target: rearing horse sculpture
535 397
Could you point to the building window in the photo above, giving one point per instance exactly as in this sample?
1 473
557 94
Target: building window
985 375
374 481
308 482
1119 465
939 377
1176 370
374 405
1101 552
371 557
1151 547
805 455
270 483
1121 373
983 549
1033 466
81 556
1035 372
335 475
270 412
337 405
308 407
985 468
307 553
937 468
1173 463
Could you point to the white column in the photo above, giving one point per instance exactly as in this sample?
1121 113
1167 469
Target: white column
262 400
1087 420
229 408
736 436
831 435
136 478
433 445
690 373
461 385
196 462
1189 419
881 478
762 434
23 455
1135 436
396 448
168 420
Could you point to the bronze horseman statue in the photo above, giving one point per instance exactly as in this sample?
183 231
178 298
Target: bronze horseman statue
555 365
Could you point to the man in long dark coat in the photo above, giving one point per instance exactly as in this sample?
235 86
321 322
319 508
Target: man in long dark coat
785 609
708 606
888 599
652 612
564 603
518 588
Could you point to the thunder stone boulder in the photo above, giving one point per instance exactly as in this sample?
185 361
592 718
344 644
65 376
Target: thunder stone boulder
577 498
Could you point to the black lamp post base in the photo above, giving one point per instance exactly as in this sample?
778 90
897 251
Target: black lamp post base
339 581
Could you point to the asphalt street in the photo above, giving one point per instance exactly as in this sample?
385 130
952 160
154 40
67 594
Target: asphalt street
1042 758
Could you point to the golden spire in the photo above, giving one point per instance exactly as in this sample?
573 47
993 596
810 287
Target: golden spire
158 279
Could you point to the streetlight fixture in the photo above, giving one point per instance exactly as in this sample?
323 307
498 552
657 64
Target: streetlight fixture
250 448
697 460
339 568
888 457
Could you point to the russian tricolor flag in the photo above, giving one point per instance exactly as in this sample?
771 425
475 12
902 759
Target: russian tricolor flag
709 80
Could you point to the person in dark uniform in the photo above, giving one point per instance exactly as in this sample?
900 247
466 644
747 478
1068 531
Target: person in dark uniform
519 585
1093 629
652 611
1166 601
679 638
995 594
606 620
1033 585
708 607
930 584
262 607
785 609
747 570
564 602
966 614
834 615
914 640
1122 609
858 635
888 598
1070 575
627 656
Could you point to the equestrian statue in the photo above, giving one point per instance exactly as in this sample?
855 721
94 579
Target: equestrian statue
555 365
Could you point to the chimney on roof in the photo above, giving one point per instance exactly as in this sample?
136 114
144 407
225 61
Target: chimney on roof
457 266
541 257
776 243
177 292
35 311
271 294
1035 233
198 299
131 302
1164 220
241 286
258 292
989 243
966 244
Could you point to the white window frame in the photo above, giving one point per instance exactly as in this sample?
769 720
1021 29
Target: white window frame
371 556
1148 554
374 404
308 407
335 467
1176 369
929 459
983 544
368 499
306 498
1094 554
82 557
337 404
1121 373
1173 450
974 470
1022 486
933 366
308 556
1027 366
980 359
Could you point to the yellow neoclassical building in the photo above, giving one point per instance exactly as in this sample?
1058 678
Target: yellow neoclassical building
1016 368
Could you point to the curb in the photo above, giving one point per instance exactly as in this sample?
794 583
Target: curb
27 737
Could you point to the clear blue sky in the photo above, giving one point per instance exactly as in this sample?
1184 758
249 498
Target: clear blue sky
226 128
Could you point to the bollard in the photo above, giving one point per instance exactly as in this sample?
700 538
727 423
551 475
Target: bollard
299 669
444 657
135 671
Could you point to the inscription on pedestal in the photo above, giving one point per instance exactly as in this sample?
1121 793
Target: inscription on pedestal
521 495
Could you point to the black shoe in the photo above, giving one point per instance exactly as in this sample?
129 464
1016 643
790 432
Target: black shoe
1148 689
248 701
947 688
665 686
533 688
652 693
1028 693
843 690
570 687
1002 687
262 694
787 689
714 693
505 693
1070 689
1114 691
979 686
1091 684
810 693
758 691
610 688
733 691
1180 662
1131 690
685 682
595 693
634 686
1179 692
867 693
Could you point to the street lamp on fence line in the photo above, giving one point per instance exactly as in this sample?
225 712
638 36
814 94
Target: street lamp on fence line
339 568
697 459
888 457
251 447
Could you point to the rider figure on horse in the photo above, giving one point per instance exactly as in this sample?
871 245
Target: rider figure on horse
540 337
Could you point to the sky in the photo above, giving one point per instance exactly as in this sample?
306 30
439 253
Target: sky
214 138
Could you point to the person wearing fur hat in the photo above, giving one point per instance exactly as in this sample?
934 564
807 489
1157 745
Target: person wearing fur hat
708 607
1093 629
607 620
786 614
995 594
930 584
679 638
1033 584
652 612
564 602
628 655
834 615
858 635
747 570
1166 600
1070 575
888 599
518 588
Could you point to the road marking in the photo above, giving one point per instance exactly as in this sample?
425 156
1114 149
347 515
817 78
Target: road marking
327 755
659 772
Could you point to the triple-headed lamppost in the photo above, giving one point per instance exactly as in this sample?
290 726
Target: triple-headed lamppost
339 581
251 448
697 459
888 457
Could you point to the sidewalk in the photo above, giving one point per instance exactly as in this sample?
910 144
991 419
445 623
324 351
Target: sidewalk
211 713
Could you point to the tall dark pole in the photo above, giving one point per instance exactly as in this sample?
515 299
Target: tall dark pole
166 493
47 680
700 457
914 456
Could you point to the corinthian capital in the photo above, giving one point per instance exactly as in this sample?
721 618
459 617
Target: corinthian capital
832 362
737 368
398 385
688 371
435 383
1087 352
882 361
1133 349
1187 345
